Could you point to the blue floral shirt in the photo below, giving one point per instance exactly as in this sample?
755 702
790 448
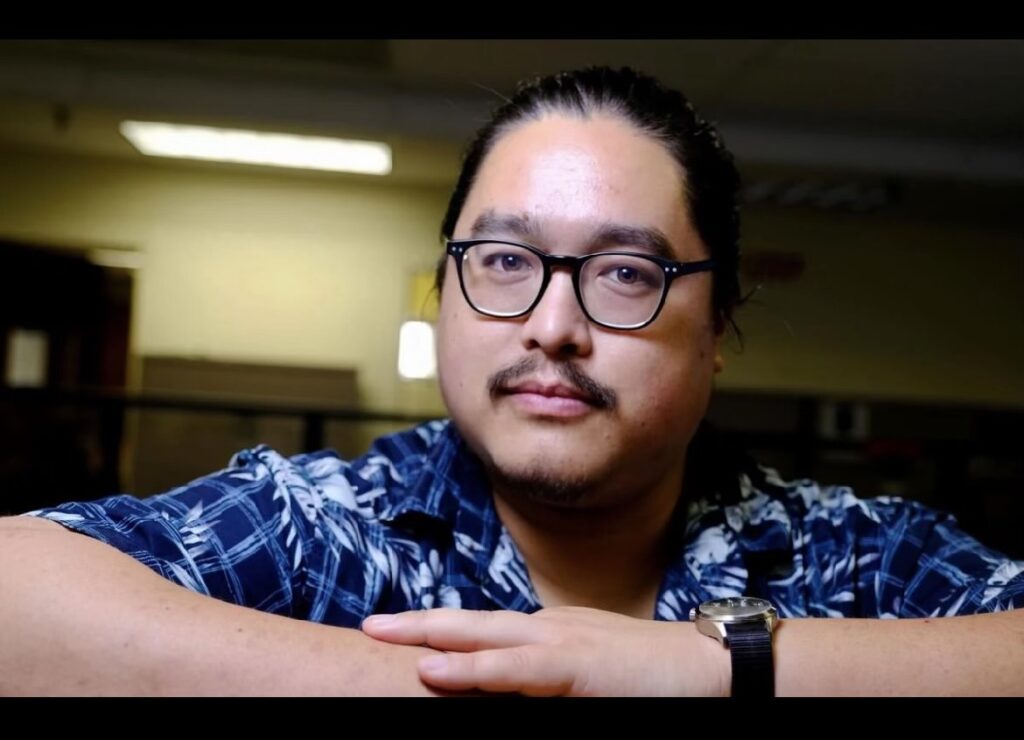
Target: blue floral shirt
412 525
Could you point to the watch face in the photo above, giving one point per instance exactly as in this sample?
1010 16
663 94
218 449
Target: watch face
737 607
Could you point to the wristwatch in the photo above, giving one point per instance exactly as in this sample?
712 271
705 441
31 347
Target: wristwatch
744 625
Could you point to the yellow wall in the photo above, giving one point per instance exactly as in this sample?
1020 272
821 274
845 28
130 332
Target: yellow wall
239 266
912 310
315 271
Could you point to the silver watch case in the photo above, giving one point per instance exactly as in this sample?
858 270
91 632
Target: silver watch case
712 616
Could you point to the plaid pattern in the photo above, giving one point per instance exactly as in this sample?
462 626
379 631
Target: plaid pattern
411 525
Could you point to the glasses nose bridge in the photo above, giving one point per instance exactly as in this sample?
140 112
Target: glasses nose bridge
567 262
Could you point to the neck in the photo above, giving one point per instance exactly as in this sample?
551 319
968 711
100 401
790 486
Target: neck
608 558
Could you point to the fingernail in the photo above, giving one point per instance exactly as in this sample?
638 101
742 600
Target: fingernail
435 664
378 620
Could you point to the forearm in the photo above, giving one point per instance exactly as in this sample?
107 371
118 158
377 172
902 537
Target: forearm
78 617
962 656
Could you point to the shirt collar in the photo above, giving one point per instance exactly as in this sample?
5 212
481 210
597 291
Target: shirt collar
732 499
443 475
452 491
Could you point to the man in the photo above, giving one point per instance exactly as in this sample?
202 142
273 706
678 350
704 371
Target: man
570 515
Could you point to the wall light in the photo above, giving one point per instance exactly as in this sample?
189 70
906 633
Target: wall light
416 358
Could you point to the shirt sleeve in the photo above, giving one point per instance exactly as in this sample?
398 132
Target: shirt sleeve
253 534
921 564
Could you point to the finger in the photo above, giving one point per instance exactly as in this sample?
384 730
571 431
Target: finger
533 670
456 629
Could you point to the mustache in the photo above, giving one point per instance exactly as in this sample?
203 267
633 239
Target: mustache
600 396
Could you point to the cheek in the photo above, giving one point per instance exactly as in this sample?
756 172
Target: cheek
452 360
669 381
466 350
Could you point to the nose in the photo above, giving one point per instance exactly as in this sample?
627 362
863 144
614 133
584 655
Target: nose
557 325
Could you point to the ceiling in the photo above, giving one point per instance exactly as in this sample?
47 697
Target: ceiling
921 111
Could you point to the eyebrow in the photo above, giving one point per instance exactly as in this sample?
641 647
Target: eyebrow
605 236
492 223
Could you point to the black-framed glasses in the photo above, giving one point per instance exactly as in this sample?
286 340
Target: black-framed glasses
617 290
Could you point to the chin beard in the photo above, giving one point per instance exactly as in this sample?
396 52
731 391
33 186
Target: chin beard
540 487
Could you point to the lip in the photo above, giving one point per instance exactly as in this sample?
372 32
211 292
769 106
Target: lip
549 399
550 390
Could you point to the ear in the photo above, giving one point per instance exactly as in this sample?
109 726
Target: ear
719 360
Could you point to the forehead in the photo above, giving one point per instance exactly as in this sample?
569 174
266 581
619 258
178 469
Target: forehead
569 177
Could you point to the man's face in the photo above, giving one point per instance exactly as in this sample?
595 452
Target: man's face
556 184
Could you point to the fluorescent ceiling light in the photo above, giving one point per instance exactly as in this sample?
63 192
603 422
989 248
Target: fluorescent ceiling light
256 147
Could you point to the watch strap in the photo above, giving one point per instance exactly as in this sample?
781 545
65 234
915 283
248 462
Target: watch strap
750 645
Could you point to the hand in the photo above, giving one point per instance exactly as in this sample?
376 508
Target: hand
564 651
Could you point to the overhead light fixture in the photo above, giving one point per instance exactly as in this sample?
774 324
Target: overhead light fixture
257 147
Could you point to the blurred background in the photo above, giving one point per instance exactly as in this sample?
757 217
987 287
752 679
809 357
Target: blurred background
158 314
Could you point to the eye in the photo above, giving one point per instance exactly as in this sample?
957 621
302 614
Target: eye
505 262
511 262
627 275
